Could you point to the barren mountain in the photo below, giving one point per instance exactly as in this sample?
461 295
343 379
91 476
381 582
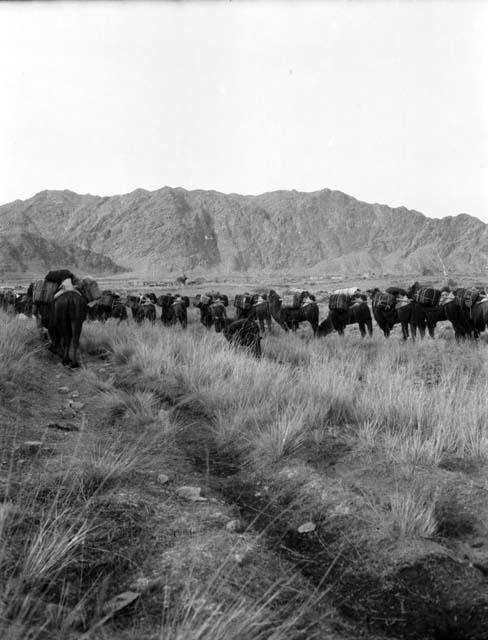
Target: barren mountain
28 252
171 229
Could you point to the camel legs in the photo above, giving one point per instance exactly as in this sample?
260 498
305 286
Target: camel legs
405 330
66 343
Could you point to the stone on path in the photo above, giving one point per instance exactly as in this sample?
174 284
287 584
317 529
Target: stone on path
235 526
306 527
76 406
144 584
191 493
67 412
120 601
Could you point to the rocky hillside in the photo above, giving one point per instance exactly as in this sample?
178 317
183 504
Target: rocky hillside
170 230
26 252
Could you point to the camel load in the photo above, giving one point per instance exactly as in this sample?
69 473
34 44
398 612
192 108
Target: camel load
90 289
384 301
341 299
243 301
471 296
295 298
59 275
428 296
43 291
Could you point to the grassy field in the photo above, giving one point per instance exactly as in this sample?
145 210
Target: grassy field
336 488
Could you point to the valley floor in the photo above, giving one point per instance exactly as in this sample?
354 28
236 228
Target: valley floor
175 488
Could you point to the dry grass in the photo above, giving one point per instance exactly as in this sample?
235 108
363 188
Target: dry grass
424 400
400 410
65 545
18 347
412 514
428 393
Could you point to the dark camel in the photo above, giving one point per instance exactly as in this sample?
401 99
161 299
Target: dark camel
69 313
289 318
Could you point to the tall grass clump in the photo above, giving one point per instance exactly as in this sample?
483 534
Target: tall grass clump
406 512
18 347
424 397
247 618
282 437
42 545
413 514
411 391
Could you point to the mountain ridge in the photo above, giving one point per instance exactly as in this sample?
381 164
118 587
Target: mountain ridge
172 229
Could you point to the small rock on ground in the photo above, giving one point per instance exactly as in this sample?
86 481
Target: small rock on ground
306 527
191 493
144 584
74 406
235 526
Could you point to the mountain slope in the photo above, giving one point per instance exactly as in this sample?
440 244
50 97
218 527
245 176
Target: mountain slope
27 252
174 229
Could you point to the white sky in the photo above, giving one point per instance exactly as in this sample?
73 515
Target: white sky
386 101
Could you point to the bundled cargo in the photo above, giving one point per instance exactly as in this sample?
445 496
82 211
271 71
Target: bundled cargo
59 275
261 306
205 299
90 289
217 309
446 298
243 301
397 291
350 291
470 297
427 296
308 299
106 299
165 300
176 299
402 301
384 301
297 298
339 302
288 300
459 296
43 291
65 287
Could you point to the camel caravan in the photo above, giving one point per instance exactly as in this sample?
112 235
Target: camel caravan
61 302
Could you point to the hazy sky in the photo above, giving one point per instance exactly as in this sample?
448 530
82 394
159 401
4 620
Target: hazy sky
387 101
